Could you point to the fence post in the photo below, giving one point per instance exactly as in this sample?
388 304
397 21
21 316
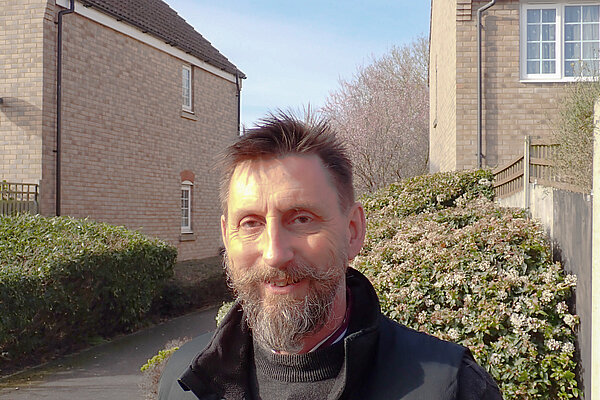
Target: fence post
526 173
595 370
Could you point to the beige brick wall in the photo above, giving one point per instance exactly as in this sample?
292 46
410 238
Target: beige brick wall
442 85
21 87
511 109
124 141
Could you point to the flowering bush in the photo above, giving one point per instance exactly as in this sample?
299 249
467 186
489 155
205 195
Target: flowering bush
444 259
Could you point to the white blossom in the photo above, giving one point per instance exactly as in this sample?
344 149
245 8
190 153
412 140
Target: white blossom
517 320
553 344
570 320
495 359
571 280
547 296
453 334
568 348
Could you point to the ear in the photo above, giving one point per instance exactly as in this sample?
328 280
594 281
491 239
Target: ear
224 231
357 228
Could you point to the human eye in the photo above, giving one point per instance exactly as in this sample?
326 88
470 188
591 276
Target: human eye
250 224
301 218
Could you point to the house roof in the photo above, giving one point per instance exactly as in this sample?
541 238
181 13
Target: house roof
156 18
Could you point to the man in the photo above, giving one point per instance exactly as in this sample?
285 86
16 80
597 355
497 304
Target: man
305 325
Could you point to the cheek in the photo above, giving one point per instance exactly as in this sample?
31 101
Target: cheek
324 247
242 255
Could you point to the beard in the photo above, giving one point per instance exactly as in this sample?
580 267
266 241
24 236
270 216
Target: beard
280 322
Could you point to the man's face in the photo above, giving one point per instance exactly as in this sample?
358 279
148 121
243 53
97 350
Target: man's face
288 245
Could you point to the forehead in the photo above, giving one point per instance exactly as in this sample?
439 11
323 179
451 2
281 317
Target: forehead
300 176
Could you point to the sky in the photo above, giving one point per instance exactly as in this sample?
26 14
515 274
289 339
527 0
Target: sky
295 52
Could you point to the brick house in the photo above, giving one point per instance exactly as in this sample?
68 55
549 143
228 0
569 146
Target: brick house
529 50
146 103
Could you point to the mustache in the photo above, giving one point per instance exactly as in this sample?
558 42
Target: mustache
295 271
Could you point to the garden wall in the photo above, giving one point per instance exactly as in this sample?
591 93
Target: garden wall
567 218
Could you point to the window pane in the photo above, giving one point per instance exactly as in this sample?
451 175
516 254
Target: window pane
548 32
590 13
185 76
572 32
589 68
549 15
533 16
569 68
590 51
590 32
533 67
533 32
533 51
572 51
573 14
548 51
548 67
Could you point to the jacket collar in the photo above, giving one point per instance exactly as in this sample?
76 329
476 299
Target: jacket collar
222 368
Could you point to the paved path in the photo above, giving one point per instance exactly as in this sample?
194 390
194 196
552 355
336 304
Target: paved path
109 371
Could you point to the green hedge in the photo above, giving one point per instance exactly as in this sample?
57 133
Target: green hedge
446 260
63 280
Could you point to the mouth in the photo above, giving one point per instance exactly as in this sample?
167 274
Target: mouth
283 282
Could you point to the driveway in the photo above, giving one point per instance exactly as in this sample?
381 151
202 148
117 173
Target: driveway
109 371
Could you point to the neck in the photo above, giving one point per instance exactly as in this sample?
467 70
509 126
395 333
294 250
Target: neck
335 321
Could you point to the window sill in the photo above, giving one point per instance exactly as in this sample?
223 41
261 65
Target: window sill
557 80
189 115
187 237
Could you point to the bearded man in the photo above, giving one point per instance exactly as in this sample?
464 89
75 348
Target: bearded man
305 324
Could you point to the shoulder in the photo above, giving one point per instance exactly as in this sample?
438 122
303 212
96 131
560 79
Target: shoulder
177 364
475 383
414 364
403 339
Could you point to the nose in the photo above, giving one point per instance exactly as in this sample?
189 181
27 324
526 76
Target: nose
277 248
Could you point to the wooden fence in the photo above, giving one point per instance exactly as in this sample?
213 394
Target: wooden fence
534 166
18 198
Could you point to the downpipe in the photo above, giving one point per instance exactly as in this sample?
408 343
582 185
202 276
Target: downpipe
479 83
69 10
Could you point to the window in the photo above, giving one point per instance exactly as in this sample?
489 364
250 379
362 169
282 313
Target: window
560 41
186 86
186 207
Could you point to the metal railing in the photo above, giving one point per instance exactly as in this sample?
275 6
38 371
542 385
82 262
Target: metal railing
18 198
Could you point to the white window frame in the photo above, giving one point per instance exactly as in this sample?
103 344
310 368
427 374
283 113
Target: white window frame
186 92
559 74
186 213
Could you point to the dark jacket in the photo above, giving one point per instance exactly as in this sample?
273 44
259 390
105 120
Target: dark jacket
383 360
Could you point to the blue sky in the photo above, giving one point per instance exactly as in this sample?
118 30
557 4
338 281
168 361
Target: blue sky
294 52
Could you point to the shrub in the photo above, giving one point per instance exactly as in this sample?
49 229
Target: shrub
574 133
153 368
155 365
449 262
63 280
